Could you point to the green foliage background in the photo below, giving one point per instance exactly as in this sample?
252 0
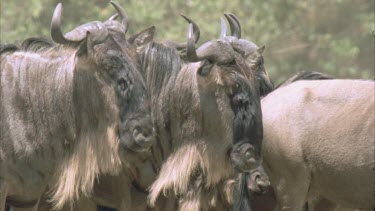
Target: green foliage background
331 36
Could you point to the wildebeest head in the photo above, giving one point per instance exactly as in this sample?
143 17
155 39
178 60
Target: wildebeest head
223 71
249 50
104 51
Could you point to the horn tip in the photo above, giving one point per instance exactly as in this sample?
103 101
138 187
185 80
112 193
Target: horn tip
114 4
152 29
58 7
186 18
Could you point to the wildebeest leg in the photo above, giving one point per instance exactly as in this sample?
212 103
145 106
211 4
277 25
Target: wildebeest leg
197 197
34 208
3 194
114 191
291 199
321 204
305 207
125 202
85 204
123 190
291 190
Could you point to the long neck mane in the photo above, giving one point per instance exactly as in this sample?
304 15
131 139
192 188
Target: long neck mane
161 66
43 84
176 113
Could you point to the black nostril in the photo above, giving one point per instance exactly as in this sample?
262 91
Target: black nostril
257 177
136 133
143 138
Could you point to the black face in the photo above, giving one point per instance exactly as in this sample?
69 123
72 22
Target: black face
247 125
245 103
136 129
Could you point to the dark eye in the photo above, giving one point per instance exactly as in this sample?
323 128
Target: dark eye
123 85
205 69
233 62
114 59
236 87
116 62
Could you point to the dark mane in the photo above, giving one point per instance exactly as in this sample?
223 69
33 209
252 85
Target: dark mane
305 75
8 48
36 44
33 44
161 66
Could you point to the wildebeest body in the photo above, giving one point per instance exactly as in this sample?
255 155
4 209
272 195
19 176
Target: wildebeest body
319 143
37 116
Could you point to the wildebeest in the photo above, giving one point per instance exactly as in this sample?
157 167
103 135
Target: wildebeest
260 193
319 143
201 109
253 57
260 202
162 67
68 110
264 202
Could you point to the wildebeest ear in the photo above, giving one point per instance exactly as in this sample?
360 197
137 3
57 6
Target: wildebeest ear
86 46
261 49
141 39
82 49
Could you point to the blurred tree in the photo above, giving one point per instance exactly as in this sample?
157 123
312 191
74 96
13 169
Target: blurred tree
335 37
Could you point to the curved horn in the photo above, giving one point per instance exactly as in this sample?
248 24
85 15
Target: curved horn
237 21
196 35
191 54
121 12
56 32
223 32
196 30
215 51
98 30
234 27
